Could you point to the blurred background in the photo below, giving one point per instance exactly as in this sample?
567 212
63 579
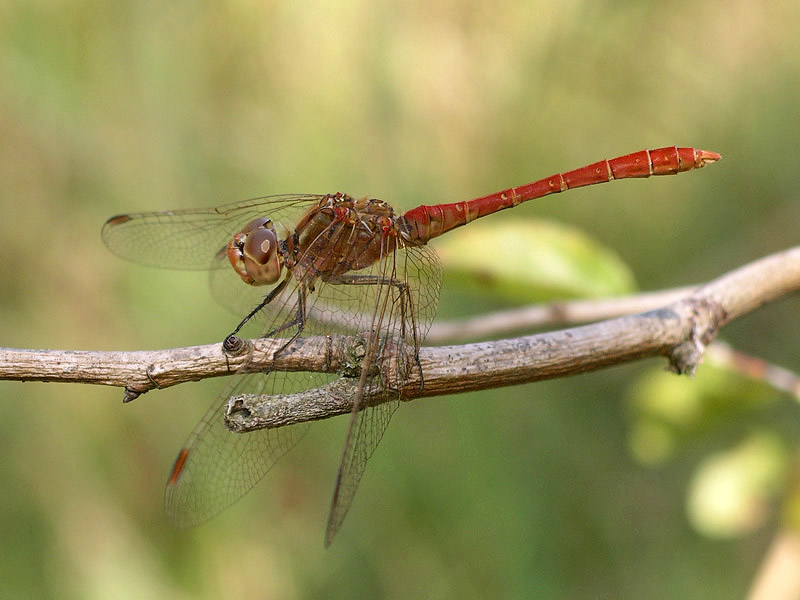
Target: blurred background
623 483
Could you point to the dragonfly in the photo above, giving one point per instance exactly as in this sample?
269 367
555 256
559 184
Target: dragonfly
323 264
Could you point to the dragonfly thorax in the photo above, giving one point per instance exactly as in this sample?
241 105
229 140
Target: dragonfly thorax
343 234
253 253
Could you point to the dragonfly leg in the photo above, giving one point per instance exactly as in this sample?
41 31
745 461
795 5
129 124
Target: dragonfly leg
404 291
299 321
232 341
267 299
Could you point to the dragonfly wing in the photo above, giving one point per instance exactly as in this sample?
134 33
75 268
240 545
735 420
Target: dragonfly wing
390 299
363 435
216 467
193 238
403 300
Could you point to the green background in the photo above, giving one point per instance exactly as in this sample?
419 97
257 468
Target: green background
525 492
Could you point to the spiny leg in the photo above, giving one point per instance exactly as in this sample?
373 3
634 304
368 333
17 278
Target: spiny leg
376 280
299 320
267 299
404 291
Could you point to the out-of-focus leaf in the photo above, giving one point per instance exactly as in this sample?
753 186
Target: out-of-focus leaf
666 409
532 260
731 491
791 501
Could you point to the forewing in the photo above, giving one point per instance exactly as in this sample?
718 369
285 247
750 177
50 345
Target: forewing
192 239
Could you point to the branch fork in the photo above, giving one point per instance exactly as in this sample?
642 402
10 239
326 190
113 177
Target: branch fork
679 331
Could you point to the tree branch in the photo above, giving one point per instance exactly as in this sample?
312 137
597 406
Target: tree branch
679 331
550 314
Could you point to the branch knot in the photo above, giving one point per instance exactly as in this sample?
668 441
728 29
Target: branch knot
705 318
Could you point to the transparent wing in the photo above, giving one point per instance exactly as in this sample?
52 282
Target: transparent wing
196 239
404 305
192 239
216 467
365 431
392 297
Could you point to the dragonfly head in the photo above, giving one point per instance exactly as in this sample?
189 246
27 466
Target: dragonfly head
253 253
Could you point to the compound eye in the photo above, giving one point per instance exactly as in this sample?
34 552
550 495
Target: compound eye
260 246
254 255
257 223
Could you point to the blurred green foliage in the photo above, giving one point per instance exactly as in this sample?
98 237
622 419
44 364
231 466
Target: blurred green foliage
530 261
525 492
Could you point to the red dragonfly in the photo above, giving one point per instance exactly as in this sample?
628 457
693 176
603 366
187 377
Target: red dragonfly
329 259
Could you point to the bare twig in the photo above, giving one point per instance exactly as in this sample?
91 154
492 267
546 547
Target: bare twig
755 368
778 578
139 372
679 331
550 314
